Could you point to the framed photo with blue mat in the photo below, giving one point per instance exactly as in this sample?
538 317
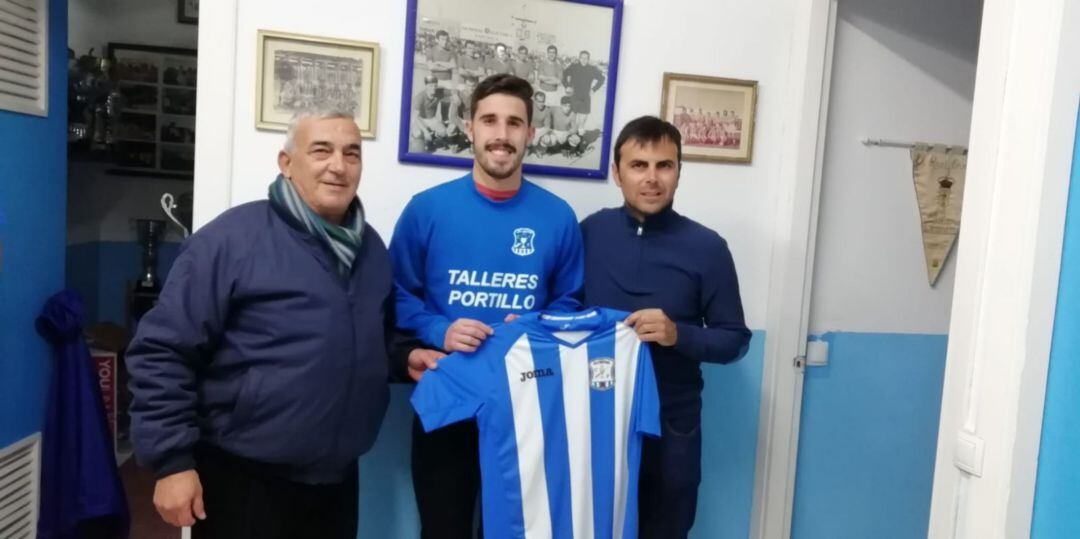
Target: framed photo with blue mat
567 49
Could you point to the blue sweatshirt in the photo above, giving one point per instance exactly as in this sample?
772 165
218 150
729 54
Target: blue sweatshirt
458 254
259 347
671 263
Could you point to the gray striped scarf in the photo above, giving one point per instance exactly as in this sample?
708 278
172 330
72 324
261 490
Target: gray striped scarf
343 241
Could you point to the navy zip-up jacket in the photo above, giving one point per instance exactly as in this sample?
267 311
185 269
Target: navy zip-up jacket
672 263
259 347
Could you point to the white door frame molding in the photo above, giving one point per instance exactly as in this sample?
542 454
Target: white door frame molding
215 121
791 270
1023 120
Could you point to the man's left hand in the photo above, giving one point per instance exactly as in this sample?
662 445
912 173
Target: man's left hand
653 325
422 360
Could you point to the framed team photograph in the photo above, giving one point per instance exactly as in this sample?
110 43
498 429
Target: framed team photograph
567 49
715 116
297 72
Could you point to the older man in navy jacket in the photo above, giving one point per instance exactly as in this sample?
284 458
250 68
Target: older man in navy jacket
678 280
261 374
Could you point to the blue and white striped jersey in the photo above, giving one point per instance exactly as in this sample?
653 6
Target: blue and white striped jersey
562 402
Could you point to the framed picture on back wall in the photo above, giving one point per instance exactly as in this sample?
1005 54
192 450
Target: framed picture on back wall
715 116
567 49
297 72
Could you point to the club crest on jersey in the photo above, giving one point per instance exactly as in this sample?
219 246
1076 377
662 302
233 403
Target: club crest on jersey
602 373
523 241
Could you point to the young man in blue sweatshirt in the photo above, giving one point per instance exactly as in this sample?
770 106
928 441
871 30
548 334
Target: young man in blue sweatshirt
678 280
470 253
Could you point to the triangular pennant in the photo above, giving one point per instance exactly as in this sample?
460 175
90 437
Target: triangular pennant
938 173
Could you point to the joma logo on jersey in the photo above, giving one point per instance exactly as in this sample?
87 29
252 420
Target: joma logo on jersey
538 373
602 373
523 241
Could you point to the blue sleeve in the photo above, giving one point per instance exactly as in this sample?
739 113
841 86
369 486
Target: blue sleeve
565 284
724 337
646 396
171 344
453 392
408 252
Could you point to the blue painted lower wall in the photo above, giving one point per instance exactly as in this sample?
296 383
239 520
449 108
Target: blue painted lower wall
868 437
104 271
33 195
729 429
1057 490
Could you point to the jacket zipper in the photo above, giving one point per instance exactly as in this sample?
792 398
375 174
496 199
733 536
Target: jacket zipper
640 255
351 354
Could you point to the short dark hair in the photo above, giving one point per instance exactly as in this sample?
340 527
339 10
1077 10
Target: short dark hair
441 33
552 48
504 83
648 130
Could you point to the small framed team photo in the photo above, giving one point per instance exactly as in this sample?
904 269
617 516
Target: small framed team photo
714 115
297 72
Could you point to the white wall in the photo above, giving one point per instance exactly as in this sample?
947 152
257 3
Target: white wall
763 209
101 207
738 201
901 72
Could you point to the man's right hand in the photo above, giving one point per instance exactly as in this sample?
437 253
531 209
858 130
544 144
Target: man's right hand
178 498
465 335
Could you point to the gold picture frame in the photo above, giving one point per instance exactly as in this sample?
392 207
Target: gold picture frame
296 71
715 116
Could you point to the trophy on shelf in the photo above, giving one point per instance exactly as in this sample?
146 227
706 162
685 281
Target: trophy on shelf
94 102
149 232
147 286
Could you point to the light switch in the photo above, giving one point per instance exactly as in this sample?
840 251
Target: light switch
817 353
968 455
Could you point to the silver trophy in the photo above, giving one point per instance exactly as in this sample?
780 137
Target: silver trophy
149 232
178 205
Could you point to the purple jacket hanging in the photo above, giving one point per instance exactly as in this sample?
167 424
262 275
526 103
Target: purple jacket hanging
80 486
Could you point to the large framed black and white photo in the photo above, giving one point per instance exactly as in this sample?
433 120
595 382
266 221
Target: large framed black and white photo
568 50
154 124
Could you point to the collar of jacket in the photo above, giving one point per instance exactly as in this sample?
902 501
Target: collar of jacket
658 221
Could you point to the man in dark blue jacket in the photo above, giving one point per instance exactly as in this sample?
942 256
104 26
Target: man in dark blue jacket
678 279
261 374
